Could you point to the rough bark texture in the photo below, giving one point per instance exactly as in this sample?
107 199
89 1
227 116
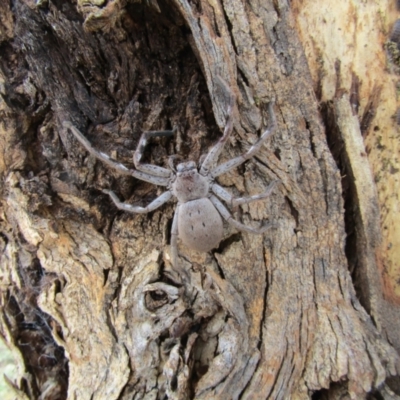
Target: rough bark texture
85 296
362 133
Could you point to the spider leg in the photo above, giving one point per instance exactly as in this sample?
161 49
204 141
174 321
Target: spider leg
174 238
238 225
228 165
159 201
215 151
234 202
174 250
156 180
149 168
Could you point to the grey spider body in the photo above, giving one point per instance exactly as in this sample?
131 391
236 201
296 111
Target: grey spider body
189 184
200 226
197 218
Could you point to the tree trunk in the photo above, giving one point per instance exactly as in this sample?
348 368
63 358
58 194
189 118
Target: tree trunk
309 309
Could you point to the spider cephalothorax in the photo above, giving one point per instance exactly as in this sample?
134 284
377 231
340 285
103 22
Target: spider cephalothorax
199 212
189 184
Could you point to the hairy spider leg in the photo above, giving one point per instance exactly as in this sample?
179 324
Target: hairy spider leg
234 202
149 168
174 238
228 165
158 202
212 156
238 225
174 248
156 180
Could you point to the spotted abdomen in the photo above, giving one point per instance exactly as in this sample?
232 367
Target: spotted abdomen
199 225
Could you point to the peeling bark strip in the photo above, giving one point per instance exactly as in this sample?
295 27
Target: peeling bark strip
263 317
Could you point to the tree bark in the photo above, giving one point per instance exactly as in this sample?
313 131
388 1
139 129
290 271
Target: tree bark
87 299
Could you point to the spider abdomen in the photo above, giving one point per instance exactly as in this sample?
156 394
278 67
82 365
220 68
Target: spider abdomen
199 225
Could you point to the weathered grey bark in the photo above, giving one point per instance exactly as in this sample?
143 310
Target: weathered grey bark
85 295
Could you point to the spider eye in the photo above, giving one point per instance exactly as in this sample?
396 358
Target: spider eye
180 167
186 166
